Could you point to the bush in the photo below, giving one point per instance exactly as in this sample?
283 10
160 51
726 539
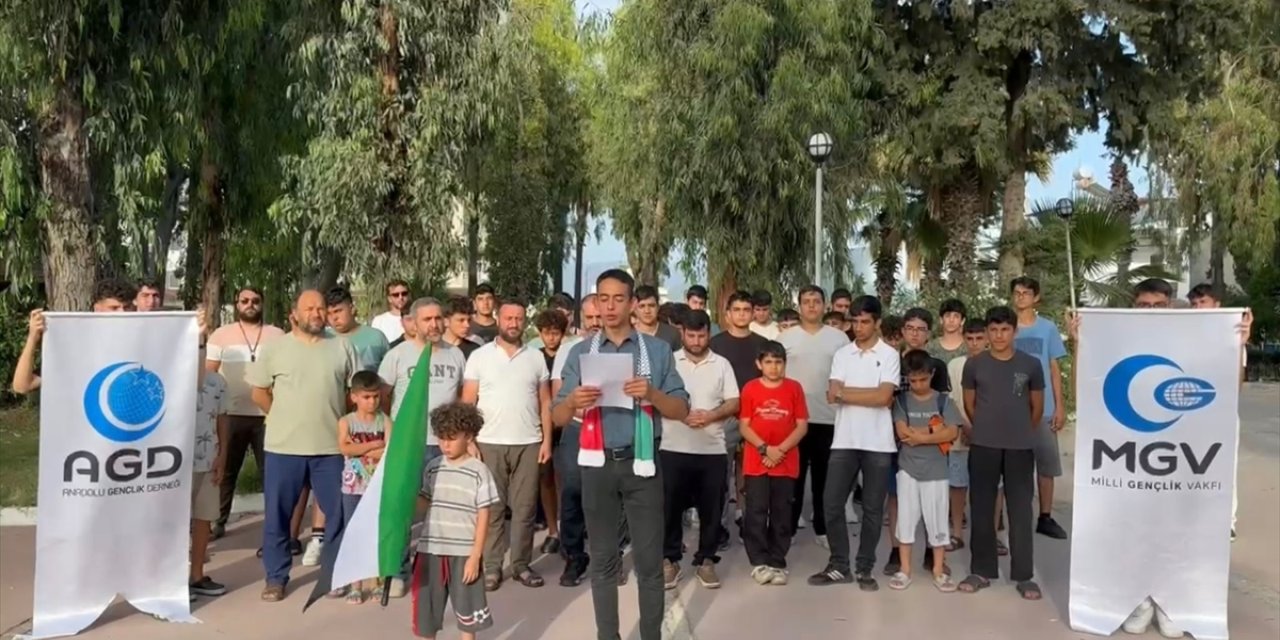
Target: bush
14 310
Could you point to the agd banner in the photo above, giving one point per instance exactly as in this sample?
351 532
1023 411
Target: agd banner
1158 393
117 426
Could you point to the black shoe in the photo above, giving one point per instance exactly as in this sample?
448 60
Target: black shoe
207 587
219 530
722 539
551 545
574 572
1050 527
830 576
866 582
295 547
894 564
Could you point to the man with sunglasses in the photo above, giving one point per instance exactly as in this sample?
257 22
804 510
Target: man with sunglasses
391 322
231 348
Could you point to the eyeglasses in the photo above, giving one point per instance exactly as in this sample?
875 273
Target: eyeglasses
399 294
916 329
1151 305
247 301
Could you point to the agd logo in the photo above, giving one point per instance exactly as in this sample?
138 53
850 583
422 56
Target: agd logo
124 402
1178 393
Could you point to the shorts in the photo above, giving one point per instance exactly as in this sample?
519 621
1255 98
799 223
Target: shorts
205 497
437 580
1048 459
958 469
927 499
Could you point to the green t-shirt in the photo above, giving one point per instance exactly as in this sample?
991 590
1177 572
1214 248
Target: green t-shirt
370 344
308 383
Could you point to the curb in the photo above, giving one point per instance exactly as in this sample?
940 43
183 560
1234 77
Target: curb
26 516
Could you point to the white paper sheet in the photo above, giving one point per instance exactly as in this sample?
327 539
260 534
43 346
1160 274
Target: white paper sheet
609 372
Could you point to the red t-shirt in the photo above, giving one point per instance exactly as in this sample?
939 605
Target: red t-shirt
773 413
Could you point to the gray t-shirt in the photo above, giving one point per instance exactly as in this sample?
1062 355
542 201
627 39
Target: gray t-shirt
447 364
457 491
1002 404
927 461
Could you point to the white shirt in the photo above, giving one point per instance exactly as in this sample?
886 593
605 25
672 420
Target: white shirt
865 428
710 383
767 331
809 363
562 355
389 324
508 393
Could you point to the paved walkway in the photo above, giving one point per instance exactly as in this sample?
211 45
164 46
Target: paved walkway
738 610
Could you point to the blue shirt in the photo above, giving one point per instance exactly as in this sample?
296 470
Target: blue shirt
1043 341
619 424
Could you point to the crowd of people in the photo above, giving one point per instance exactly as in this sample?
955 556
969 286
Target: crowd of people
893 420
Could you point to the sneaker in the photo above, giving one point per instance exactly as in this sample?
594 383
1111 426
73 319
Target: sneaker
899 581
829 576
707 575
397 589
311 557
866 582
295 547
723 539
850 514
207 587
1140 619
574 572
894 564
670 574
822 542
762 575
693 518
1165 626
1050 527
802 524
779 577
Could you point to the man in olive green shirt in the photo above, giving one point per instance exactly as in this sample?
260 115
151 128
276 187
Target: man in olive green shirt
300 383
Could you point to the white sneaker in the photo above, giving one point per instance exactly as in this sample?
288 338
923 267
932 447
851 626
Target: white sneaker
693 518
822 542
762 574
311 557
802 524
1165 626
779 577
397 589
1140 619
850 515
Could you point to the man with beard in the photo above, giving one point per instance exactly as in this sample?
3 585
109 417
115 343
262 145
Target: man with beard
509 382
300 383
231 349
390 322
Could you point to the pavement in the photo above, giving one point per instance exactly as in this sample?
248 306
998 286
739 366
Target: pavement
740 609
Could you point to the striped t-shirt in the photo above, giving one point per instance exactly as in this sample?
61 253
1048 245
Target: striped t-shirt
456 491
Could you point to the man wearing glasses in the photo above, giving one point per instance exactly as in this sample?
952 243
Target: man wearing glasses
391 322
231 348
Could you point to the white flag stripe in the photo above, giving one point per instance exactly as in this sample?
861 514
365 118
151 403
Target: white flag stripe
357 557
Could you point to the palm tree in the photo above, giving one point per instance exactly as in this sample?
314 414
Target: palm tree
894 220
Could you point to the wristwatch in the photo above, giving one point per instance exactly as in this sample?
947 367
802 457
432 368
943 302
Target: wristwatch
762 449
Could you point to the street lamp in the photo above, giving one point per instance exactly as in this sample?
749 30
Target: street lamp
820 146
1065 207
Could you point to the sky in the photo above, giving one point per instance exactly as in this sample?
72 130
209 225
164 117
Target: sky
1089 151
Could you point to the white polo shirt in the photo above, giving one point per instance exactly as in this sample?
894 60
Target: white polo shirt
865 428
710 383
508 397
389 323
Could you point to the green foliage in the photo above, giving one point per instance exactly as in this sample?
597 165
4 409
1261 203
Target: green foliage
15 306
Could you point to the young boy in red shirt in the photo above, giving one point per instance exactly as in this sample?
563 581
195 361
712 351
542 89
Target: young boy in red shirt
773 418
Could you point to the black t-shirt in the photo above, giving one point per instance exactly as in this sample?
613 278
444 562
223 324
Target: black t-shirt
549 357
486 332
741 354
467 347
941 381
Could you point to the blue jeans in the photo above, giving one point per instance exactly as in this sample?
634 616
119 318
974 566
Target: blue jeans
283 477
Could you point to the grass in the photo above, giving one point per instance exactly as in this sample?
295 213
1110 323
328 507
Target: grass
20 459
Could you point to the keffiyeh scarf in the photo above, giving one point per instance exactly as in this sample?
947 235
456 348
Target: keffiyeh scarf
591 444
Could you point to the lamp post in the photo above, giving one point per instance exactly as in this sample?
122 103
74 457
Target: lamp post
1064 208
820 146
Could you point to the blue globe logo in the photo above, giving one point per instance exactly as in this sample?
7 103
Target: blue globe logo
124 402
1184 394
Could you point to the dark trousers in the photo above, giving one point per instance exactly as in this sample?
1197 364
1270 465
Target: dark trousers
698 481
607 493
987 466
766 522
815 450
283 477
243 433
842 473
573 524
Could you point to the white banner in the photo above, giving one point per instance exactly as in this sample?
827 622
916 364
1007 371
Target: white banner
1158 393
117 428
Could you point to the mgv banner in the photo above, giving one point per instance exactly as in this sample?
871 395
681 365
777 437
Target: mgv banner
117 426
1158 393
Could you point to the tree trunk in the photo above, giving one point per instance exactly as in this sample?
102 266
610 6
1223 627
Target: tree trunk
167 221
1124 199
1012 258
723 281
886 261
962 209
579 246
63 152
646 265
473 248
1217 258
213 243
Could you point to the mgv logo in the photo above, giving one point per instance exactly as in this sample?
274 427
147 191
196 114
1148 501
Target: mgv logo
124 402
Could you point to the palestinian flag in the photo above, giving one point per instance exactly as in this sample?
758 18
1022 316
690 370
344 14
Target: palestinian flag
373 544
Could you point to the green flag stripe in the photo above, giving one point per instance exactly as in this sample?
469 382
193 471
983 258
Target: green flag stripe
402 474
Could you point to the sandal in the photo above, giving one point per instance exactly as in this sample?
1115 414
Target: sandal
376 594
1001 548
973 584
356 596
956 544
273 593
1029 590
338 593
530 578
943 583
899 581
492 581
